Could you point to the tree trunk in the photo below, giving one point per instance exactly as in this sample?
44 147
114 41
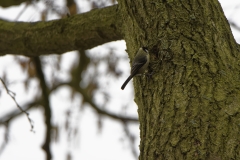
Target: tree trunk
189 108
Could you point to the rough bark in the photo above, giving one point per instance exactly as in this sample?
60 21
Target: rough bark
189 109
82 31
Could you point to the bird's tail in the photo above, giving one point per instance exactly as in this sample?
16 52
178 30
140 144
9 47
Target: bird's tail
126 82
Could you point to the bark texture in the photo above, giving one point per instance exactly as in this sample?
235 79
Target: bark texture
189 109
82 31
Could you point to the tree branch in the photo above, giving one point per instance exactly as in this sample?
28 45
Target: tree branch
93 105
6 138
12 95
46 105
83 31
10 116
100 111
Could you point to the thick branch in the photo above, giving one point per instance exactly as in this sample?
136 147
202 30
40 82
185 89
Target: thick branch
82 31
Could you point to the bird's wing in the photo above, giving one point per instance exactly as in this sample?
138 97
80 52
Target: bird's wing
137 65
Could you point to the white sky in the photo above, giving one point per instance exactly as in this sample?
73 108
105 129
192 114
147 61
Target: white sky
110 143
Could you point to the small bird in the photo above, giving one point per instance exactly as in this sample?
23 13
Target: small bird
139 65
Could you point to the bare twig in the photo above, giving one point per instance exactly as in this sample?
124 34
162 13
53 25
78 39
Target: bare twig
12 95
14 114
